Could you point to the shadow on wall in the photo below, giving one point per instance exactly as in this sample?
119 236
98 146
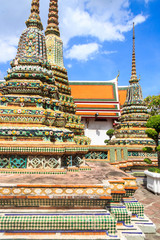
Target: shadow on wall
97 132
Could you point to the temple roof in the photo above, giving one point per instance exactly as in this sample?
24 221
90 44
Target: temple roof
122 92
100 97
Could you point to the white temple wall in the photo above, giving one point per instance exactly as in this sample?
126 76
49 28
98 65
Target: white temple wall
96 130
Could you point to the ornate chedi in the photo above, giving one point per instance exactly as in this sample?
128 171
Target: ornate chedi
32 105
134 115
55 58
98 204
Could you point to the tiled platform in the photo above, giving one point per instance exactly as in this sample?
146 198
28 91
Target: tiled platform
74 224
96 204
99 171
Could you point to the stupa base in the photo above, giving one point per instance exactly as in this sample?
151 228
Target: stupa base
66 224
59 236
41 155
97 204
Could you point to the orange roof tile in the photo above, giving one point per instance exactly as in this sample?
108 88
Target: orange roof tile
101 114
95 91
92 91
122 91
99 97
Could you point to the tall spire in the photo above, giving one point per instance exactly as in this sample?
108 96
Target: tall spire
32 45
34 18
53 24
133 75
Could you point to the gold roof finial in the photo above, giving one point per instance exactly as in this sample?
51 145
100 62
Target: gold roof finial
53 24
133 75
34 18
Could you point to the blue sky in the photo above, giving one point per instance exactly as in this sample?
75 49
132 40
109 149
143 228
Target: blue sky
97 37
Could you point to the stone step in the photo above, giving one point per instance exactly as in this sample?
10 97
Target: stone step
57 222
73 224
134 206
131 232
145 224
59 236
120 213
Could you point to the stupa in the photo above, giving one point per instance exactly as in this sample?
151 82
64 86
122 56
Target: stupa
38 125
55 58
134 115
95 204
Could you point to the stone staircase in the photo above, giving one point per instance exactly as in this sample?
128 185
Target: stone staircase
114 223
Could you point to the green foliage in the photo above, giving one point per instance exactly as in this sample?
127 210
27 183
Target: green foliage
154 169
153 103
148 161
154 122
152 133
147 149
110 133
106 142
158 148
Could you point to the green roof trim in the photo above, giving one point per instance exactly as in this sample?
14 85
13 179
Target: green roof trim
91 83
122 88
83 108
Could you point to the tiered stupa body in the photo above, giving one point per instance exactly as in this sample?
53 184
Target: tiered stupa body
55 58
33 133
31 112
134 115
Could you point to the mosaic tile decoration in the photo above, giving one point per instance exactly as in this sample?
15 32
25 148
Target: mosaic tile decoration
120 213
52 203
134 206
141 154
134 163
18 162
43 149
57 191
58 222
129 192
34 171
117 197
97 155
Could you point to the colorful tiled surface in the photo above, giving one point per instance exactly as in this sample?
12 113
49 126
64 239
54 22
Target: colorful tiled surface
120 213
134 206
85 191
42 171
57 191
74 224
58 222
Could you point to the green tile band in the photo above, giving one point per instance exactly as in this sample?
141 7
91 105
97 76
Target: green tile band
58 223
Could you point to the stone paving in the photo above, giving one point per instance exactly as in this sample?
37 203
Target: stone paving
151 204
99 172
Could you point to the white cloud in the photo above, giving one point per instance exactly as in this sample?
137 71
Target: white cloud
108 52
69 66
104 20
1 75
8 49
83 52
